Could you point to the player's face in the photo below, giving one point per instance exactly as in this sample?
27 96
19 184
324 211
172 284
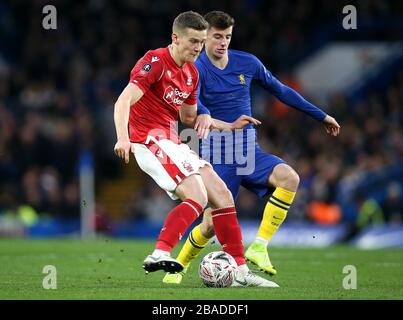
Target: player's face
190 43
218 42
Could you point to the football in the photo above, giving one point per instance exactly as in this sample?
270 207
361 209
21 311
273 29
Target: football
218 269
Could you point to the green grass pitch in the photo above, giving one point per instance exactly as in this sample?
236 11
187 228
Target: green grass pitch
112 269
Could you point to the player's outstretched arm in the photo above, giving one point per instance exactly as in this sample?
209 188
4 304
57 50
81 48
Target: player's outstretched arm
292 98
130 95
188 114
331 126
203 123
239 123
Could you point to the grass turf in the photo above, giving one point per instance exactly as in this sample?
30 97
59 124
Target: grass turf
111 269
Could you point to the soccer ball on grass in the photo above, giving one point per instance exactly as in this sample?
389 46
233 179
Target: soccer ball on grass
218 269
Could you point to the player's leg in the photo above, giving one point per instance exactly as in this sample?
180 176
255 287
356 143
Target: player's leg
225 223
286 182
271 172
202 233
227 228
193 194
219 197
162 161
196 241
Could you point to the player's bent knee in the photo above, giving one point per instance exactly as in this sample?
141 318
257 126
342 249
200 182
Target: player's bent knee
290 182
219 194
225 196
200 196
193 188
293 179
285 177
224 193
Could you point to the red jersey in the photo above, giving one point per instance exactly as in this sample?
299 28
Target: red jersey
166 86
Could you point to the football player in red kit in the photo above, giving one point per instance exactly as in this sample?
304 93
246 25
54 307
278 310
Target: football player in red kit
163 88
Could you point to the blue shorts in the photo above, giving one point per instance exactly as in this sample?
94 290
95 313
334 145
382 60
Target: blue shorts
256 182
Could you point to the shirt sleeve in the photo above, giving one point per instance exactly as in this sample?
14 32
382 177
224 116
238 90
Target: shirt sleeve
148 70
284 93
201 108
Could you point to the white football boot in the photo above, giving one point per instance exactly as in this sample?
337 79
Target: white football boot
162 262
249 279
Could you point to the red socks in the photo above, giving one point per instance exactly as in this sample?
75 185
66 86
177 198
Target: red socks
225 222
176 224
228 232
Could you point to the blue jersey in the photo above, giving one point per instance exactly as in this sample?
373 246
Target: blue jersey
225 94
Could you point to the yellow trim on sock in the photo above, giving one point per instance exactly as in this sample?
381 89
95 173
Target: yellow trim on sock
279 203
200 239
195 242
274 215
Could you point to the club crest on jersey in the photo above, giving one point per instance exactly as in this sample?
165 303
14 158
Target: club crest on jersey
242 79
189 79
146 67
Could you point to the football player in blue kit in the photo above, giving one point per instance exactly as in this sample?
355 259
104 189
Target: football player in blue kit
226 77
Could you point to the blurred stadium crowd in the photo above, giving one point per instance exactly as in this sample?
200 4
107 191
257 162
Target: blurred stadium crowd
58 88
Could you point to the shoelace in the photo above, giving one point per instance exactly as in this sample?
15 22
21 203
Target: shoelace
253 276
254 279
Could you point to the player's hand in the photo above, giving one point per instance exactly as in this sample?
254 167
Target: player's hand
243 121
202 125
331 126
122 149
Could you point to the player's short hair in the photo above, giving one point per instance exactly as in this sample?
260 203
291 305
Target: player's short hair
189 19
219 20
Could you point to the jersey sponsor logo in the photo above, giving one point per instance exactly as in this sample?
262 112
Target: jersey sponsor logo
154 59
172 95
242 79
146 67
